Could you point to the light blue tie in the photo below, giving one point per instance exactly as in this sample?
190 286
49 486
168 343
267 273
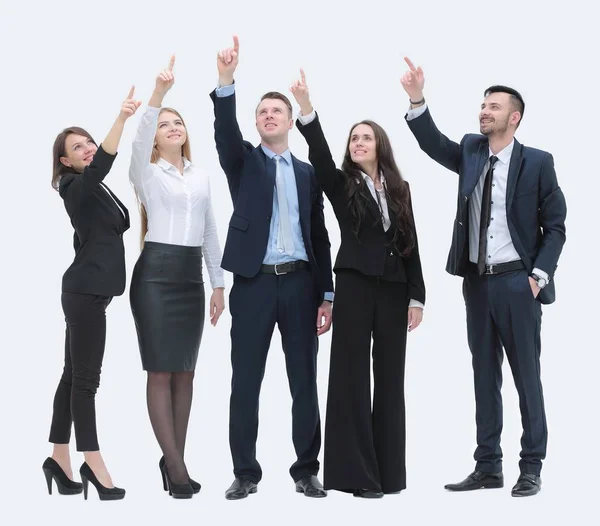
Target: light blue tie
285 242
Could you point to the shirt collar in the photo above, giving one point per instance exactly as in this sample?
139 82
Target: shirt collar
287 155
166 165
505 154
367 178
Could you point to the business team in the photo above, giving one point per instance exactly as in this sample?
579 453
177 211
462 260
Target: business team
508 234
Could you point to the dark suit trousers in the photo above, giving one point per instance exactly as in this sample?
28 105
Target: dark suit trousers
256 304
502 312
74 401
365 443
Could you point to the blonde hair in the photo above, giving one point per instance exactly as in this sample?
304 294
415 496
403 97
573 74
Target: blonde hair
155 156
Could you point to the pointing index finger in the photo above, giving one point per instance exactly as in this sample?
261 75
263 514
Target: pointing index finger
236 43
302 76
410 64
130 96
171 63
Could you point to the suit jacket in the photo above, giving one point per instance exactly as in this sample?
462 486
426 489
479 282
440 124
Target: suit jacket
251 180
368 253
99 264
535 205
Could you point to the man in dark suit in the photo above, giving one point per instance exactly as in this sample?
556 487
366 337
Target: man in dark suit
508 235
279 252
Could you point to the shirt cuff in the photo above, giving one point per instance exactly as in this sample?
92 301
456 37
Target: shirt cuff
541 274
305 119
225 91
413 113
415 303
328 296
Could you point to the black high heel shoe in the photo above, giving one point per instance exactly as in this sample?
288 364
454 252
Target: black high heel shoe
196 486
104 493
64 484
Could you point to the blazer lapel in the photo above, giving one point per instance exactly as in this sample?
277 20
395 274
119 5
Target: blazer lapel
269 175
480 159
117 200
303 188
514 170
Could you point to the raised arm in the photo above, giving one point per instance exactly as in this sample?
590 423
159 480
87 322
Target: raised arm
330 179
76 189
434 143
228 137
141 150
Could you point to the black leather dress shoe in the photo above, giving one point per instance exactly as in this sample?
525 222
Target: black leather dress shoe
240 489
527 485
478 480
368 493
311 487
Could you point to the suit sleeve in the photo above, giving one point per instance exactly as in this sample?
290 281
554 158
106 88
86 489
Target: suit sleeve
433 142
75 189
414 271
329 177
228 137
321 244
552 215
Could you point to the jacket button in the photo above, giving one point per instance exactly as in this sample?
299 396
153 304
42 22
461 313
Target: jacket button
465 198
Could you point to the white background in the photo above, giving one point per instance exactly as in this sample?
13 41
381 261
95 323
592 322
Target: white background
71 63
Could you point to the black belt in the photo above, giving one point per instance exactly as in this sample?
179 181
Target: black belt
498 268
284 268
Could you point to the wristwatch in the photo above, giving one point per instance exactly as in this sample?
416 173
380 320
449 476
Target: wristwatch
539 280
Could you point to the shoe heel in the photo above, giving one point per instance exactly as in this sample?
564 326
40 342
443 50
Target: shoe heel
164 480
48 475
253 490
494 485
84 481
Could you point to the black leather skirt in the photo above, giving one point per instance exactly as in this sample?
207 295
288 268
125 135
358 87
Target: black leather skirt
167 302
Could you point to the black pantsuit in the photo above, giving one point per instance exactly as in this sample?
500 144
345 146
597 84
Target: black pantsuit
502 312
96 275
256 305
85 315
364 444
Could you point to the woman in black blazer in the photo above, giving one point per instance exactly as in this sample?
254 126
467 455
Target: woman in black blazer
95 276
380 294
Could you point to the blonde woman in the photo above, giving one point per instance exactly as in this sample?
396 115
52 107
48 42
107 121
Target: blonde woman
167 288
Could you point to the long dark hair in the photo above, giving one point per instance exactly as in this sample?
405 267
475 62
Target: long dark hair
58 151
396 190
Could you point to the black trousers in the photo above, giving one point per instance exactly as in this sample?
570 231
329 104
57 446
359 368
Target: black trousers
256 305
364 442
74 401
502 312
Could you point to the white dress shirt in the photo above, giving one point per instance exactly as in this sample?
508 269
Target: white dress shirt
500 248
178 206
381 201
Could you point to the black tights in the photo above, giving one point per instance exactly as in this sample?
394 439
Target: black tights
169 397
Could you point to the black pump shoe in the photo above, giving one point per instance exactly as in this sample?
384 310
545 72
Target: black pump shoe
196 486
104 493
64 484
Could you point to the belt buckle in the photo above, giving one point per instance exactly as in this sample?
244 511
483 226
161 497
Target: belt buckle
277 273
489 270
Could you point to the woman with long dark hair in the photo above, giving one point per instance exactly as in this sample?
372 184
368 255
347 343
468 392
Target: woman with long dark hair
167 288
96 275
380 294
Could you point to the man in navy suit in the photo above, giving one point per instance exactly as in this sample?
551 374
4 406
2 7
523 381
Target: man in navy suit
508 234
279 252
